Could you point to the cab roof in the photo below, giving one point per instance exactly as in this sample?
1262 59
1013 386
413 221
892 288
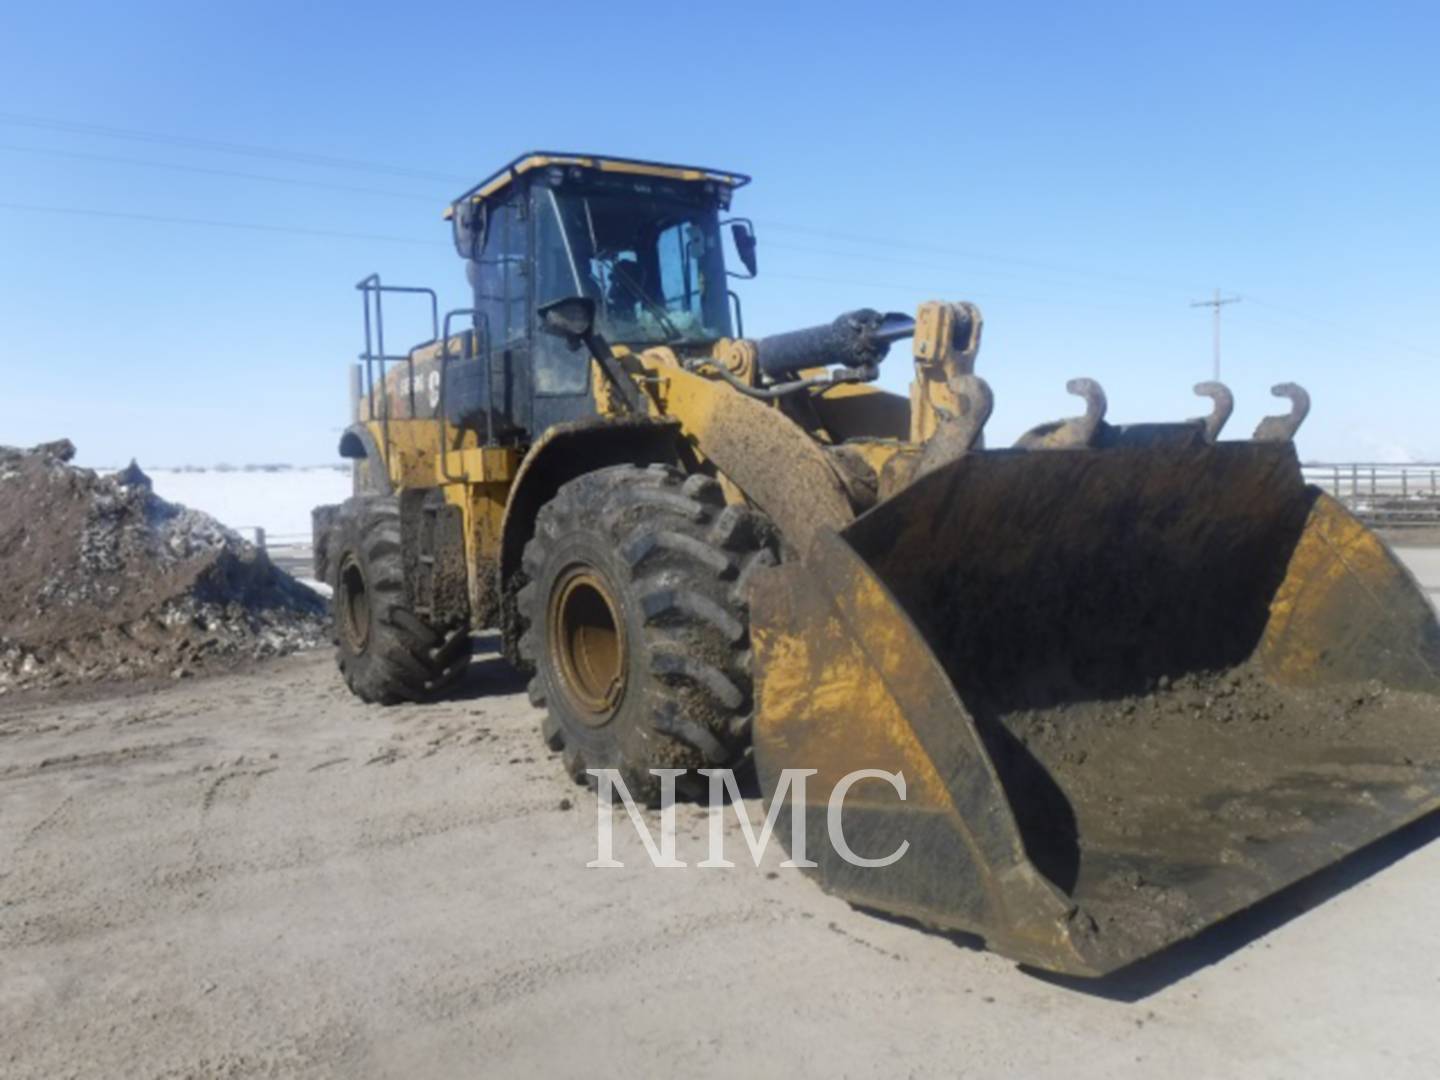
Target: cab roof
540 159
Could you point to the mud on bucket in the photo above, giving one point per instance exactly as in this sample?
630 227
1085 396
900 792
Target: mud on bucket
1132 691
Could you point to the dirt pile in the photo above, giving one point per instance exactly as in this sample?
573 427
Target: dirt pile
103 579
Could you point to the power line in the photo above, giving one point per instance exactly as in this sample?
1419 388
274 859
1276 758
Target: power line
189 142
981 292
270 153
157 219
894 286
235 174
1292 313
1344 328
938 249
951 268
324 186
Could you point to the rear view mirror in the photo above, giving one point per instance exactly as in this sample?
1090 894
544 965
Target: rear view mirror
572 318
467 224
743 233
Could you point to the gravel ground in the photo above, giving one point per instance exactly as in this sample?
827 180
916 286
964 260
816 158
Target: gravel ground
256 874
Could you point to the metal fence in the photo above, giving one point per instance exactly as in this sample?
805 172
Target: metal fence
1383 495
261 538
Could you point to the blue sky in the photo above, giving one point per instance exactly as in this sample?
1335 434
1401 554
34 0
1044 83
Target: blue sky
1081 171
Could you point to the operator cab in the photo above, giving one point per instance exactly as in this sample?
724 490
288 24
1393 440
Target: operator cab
642 240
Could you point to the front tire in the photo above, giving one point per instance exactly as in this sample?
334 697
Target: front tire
386 652
637 625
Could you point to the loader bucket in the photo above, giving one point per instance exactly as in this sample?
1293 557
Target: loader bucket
1131 692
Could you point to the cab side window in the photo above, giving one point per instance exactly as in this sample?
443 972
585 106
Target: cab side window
501 288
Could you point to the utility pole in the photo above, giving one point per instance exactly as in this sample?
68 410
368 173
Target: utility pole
1216 303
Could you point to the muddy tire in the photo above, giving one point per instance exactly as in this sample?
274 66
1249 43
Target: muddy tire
512 625
386 652
636 622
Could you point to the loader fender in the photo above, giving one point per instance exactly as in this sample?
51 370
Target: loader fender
565 452
572 449
372 476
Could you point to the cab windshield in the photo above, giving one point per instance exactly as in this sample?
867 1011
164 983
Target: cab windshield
652 263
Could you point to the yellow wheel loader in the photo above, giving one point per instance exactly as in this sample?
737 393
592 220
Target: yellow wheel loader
1135 677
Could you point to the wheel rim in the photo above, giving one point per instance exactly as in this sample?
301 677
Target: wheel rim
354 604
587 643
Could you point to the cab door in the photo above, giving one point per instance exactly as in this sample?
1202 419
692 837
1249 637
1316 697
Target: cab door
503 290
560 376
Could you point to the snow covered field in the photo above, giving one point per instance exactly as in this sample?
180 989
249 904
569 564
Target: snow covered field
278 502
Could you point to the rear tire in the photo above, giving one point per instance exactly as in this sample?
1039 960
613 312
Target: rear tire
386 652
636 622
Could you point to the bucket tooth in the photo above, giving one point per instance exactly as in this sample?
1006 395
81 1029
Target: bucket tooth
1283 428
978 403
1223 405
1075 431
961 432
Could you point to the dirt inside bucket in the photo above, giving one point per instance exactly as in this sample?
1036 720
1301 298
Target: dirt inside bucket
1160 812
